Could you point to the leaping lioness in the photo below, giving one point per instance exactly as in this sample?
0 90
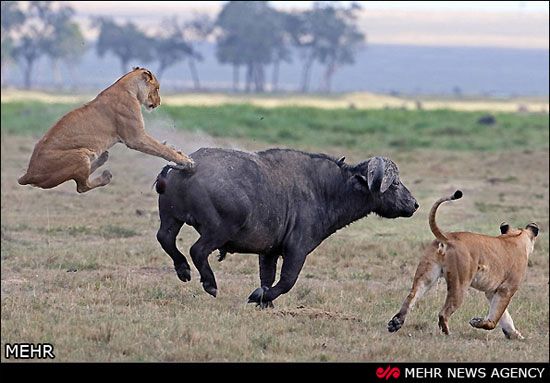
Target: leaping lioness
76 145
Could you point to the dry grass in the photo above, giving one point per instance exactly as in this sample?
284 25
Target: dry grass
359 100
85 272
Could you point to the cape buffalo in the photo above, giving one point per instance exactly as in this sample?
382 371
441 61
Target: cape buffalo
273 203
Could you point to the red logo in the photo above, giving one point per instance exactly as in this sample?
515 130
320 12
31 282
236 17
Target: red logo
388 372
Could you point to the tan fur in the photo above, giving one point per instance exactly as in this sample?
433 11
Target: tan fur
494 265
76 145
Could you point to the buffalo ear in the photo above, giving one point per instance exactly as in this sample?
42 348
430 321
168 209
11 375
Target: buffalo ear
534 228
504 228
390 174
375 174
386 183
362 180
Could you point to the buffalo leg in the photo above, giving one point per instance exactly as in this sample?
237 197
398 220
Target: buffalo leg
166 235
199 254
292 265
268 268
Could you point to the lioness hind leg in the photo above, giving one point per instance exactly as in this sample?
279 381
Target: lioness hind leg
455 296
57 167
427 274
84 185
99 161
82 168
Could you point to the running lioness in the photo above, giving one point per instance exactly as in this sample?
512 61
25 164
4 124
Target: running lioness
495 265
76 145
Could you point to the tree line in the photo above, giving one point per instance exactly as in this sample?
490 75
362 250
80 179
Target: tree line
248 35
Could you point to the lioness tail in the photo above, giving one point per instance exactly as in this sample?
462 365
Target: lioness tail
433 226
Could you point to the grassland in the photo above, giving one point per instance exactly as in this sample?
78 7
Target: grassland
85 272
356 129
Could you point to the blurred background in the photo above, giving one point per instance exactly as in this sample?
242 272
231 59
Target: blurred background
485 48
456 93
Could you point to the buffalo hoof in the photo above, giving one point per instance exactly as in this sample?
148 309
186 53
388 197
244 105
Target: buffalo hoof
395 324
210 289
257 297
184 273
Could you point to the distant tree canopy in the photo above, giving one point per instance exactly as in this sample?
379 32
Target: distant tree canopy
253 34
248 34
47 30
170 48
126 42
12 19
178 43
330 36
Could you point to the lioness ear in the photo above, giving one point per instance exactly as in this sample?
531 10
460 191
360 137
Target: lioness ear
504 227
135 68
534 228
148 75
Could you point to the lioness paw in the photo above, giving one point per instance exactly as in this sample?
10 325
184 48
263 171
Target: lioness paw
476 322
515 334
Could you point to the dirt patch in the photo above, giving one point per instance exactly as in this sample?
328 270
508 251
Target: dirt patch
153 270
313 313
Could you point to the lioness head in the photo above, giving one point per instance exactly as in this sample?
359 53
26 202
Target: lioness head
148 88
531 231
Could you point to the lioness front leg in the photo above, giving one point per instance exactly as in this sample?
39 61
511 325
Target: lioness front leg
499 303
506 323
149 145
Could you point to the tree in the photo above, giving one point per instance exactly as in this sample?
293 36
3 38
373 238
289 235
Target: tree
126 42
178 43
248 36
285 26
341 44
47 30
199 28
170 48
330 36
67 43
39 32
12 19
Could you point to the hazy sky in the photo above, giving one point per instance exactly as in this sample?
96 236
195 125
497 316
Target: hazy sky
498 6
490 6
520 24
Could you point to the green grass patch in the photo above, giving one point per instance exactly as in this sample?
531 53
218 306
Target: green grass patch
364 129
300 126
28 118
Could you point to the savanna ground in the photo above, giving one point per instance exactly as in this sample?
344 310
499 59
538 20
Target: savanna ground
86 274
